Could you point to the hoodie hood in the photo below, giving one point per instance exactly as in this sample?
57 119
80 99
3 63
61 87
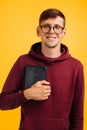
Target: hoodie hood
35 52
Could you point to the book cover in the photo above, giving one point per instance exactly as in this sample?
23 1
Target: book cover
34 74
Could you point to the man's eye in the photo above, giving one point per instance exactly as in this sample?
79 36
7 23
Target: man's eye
45 26
57 27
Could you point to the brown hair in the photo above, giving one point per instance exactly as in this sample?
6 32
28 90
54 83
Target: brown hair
51 13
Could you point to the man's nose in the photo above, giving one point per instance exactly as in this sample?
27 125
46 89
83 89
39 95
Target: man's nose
52 29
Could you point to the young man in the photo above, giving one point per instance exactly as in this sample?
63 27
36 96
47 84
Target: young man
57 102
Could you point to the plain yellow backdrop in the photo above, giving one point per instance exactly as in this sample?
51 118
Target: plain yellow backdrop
18 22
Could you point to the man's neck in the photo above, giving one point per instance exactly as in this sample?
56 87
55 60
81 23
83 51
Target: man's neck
51 52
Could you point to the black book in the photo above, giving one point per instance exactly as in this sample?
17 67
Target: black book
34 74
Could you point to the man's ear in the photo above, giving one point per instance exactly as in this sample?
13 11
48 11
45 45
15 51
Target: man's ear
38 31
64 32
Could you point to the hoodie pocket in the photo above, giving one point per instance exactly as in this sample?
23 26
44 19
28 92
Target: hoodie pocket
43 124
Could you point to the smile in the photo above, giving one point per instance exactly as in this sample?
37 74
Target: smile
51 38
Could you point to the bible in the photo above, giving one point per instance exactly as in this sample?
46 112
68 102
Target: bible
34 74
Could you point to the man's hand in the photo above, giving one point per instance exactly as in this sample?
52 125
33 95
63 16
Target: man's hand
38 91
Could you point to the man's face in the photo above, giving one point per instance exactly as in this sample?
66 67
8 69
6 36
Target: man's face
51 38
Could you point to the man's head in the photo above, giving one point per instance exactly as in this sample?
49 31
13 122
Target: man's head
51 27
51 13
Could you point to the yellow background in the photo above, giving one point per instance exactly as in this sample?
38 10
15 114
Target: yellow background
18 21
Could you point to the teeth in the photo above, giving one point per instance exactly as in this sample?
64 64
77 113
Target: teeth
51 37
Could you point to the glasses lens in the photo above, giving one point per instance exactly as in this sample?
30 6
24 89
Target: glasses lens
58 29
45 28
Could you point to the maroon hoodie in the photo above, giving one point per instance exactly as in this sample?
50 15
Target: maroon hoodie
63 110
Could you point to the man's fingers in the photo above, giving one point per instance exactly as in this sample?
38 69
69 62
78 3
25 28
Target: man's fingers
44 82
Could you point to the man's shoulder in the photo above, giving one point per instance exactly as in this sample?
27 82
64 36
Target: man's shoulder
76 61
23 58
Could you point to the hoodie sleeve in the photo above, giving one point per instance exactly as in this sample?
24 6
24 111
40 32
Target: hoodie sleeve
11 96
77 110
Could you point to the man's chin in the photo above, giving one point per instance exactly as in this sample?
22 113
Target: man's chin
51 46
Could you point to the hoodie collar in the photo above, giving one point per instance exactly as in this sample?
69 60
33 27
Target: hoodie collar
35 52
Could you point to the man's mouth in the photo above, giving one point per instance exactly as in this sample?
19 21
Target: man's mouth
50 37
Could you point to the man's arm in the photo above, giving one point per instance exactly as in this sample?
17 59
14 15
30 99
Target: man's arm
77 110
11 96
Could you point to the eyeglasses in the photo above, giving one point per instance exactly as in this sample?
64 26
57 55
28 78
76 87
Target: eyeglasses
46 28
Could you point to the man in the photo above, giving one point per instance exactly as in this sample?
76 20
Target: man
57 102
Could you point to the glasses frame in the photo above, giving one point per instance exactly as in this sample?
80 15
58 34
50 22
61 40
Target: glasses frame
50 27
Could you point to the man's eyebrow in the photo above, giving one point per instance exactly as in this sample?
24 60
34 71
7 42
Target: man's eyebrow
50 24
